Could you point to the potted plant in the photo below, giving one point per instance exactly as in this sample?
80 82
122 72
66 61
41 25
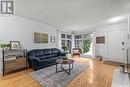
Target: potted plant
65 48
4 46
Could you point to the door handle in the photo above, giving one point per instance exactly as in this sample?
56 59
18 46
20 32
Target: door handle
123 43
123 48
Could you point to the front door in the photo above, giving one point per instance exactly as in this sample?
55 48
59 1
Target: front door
117 45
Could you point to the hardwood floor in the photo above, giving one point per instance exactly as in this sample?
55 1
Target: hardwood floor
97 75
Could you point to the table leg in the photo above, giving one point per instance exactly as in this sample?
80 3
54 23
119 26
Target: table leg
69 69
63 69
56 67
61 66
72 65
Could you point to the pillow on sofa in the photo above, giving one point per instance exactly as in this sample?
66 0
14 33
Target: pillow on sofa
55 51
38 53
47 51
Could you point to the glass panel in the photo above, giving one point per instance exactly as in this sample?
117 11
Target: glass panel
68 44
86 35
78 44
68 36
62 35
87 44
63 43
78 36
66 41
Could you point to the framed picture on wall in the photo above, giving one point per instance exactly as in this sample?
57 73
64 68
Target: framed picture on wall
100 40
40 37
14 44
52 39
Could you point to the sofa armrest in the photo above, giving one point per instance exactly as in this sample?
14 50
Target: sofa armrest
34 58
33 61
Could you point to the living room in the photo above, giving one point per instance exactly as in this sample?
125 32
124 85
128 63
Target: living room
89 39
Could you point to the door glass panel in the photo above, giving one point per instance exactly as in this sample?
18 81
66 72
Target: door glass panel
87 44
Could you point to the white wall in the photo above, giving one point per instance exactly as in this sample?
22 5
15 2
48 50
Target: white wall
129 30
129 39
102 49
17 28
20 29
59 39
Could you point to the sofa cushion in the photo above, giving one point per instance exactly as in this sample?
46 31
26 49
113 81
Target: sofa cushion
38 53
44 60
53 59
49 56
55 51
55 55
47 51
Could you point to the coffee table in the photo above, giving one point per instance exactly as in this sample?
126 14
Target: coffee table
68 62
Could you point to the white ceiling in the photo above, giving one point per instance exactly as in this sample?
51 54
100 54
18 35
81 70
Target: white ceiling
71 14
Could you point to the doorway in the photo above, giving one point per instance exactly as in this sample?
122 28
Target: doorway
88 45
85 43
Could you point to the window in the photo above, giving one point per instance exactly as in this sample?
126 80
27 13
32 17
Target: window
62 35
78 36
68 44
68 36
86 35
63 43
66 41
78 44
78 41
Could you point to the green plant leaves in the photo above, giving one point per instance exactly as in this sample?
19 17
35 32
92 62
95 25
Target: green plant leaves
86 45
4 45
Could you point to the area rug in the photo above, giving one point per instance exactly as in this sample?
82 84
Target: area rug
48 77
